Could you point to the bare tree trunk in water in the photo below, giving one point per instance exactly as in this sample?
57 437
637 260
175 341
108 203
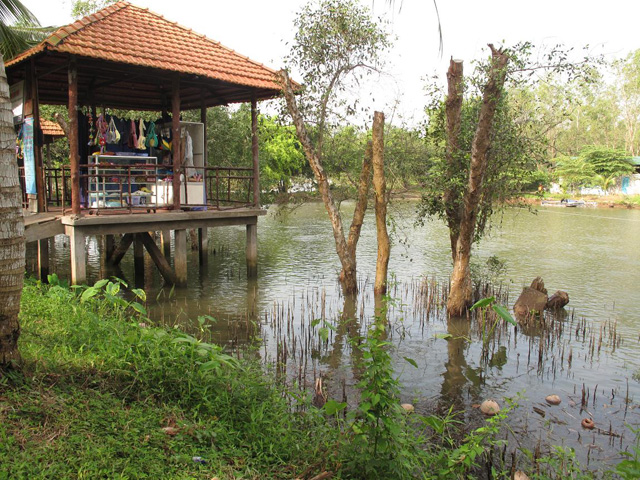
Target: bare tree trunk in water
453 113
346 249
12 248
380 187
460 294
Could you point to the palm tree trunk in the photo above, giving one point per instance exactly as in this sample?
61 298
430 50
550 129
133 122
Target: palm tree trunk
12 247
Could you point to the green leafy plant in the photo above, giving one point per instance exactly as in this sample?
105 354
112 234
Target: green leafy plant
629 468
487 324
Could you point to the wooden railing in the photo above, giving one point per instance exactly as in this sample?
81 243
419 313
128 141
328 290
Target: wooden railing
108 188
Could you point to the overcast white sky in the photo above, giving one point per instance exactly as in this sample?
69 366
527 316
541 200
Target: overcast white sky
260 28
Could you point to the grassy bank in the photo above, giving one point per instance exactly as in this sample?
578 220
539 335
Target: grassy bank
101 395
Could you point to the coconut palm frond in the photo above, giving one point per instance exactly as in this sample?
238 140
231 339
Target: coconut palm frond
17 39
13 11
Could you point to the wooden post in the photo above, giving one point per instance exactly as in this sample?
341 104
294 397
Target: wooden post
203 120
43 260
180 257
175 147
165 241
203 246
110 246
252 250
73 138
37 145
78 256
254 152
138 260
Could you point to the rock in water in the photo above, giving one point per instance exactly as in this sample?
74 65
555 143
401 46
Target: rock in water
489 407
553 399
538 284
408 407
558 300
531 301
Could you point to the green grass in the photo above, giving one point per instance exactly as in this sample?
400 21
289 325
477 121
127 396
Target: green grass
97 389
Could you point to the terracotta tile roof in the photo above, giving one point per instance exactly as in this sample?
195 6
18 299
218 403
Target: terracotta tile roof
128 34
51 128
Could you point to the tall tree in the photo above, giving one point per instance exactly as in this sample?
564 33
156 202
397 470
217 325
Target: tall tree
335 44
12 248
460 294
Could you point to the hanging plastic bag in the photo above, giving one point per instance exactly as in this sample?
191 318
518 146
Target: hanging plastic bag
113 135
142 140
152 137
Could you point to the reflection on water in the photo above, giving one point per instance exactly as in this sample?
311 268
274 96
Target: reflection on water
587 355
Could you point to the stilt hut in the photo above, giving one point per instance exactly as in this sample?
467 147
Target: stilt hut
128 177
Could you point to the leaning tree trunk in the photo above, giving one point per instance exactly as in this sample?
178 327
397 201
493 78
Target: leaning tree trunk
12 249
346 249
460 294
380 187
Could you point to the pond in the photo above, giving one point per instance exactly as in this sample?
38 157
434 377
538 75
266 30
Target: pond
588 355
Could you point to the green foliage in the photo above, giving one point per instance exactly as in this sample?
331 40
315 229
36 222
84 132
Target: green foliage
98 387
81 8
381 443
606 161
512 165
573 172
19 29
281 155
629 468
336 44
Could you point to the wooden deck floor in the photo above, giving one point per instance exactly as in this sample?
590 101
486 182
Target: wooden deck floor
44 225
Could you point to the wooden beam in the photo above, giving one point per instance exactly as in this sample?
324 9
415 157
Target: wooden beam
252 251
74 137
125 243
175 126
254 152
159 259
180 257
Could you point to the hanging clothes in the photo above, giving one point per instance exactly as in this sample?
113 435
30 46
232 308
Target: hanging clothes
188 156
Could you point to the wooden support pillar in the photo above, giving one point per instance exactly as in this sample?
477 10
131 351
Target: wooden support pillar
125 243
175 141
180 257
252 250
159 259
43 260
74 157
165 241
78 256
254 153
138 260
203 246
110 246
203 120
37 139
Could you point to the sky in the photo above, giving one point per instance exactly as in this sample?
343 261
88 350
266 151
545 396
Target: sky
260 29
